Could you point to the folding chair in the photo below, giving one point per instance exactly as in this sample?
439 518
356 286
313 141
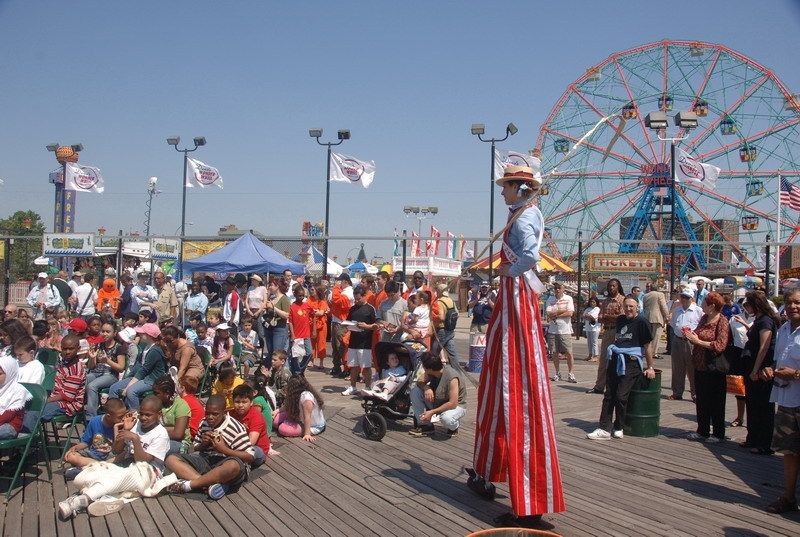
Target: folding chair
73 422
49 381
237 356
205 357
26 441
47 356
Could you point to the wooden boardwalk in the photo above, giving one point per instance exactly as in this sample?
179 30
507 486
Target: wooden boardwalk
345 484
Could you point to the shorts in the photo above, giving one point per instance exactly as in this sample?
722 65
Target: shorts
359 357
560 343
786 436
92 454
202 466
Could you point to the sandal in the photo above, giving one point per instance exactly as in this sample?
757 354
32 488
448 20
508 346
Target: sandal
761 451
674 398
736 423
782 505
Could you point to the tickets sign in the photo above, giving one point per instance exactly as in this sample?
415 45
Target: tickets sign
625 263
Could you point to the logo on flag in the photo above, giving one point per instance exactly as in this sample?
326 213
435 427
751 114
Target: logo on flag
84 179
345 169
201 174
691 170
790 195
514 158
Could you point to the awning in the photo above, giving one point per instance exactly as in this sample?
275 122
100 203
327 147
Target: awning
546 264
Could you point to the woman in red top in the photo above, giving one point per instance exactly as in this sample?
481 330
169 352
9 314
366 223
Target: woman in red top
13 396
709 339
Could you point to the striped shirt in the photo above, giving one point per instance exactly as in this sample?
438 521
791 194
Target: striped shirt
233 433
70 385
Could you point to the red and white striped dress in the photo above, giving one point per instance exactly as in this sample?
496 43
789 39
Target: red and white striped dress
515 437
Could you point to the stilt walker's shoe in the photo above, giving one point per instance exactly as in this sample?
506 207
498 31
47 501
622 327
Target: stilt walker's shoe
479 485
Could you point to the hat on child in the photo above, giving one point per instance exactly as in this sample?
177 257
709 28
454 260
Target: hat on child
127 335
150 329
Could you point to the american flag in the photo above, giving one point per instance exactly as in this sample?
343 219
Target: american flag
790 195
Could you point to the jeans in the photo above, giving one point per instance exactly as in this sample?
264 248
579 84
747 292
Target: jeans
449 418
276 338
446 339
710 403
51 410
132 395
94 383
593 342
298 367
7 432
258 457
615 400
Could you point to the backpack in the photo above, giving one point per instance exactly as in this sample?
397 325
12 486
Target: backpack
450 316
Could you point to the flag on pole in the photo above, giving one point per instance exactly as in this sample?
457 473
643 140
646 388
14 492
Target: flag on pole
435 235
450 246
414 244
84 179
734 260
460 248
202 175
691 170
396 243
346 169
513 158
790 195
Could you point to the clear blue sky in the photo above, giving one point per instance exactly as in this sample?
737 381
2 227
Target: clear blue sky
407 78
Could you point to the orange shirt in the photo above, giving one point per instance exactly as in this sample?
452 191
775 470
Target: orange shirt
319 304
340 304
377 299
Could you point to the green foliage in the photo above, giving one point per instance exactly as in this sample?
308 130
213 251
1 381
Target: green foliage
24 250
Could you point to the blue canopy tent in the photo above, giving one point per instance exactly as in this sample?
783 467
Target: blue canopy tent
245 254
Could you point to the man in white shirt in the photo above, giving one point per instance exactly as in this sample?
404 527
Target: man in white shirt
43 296
685 317
700 294
85 296
142 293
75 281
559 310
287 277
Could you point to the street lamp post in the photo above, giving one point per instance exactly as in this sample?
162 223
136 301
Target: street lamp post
342 135
478 129
174 141
658 122
420 213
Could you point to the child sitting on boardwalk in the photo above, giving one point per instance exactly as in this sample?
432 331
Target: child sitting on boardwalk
301 413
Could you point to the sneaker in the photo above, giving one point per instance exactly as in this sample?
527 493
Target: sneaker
335 372
69 507
696 437
617 434
571 378
451 434
599 434
593 390
425 430
436 418
72 473
217 491
556 377
105 506
349 391
713 440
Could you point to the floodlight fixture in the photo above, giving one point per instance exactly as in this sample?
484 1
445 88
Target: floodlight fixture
477 129
656 120
343 134
51 147
511 129
433 210
200 141
315 133
174 140
77 147
686 120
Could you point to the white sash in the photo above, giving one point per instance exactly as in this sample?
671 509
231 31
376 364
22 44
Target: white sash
529 275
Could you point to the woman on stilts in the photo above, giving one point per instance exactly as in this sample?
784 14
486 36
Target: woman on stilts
515 437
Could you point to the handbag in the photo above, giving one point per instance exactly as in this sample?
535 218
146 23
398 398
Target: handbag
734 384
716 363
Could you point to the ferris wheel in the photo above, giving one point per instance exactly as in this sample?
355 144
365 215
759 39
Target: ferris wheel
613 184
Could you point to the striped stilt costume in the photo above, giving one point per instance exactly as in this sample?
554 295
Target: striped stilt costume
515 437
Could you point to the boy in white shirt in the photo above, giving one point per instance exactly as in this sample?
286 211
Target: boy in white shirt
31 370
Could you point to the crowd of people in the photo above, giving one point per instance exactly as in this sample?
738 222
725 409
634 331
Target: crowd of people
181 391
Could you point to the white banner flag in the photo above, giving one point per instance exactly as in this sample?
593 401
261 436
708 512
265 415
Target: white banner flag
691 170
202 175
351 170
513 158
84 179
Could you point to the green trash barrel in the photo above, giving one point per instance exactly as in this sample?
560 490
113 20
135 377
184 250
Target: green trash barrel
644 407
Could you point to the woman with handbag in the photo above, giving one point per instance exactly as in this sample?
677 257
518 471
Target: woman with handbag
758 354
709 341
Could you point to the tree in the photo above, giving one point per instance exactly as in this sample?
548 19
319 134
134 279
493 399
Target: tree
27 224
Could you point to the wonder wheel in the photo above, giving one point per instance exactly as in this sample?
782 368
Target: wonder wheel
615 184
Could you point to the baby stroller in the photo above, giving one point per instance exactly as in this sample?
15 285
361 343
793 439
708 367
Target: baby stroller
398 406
